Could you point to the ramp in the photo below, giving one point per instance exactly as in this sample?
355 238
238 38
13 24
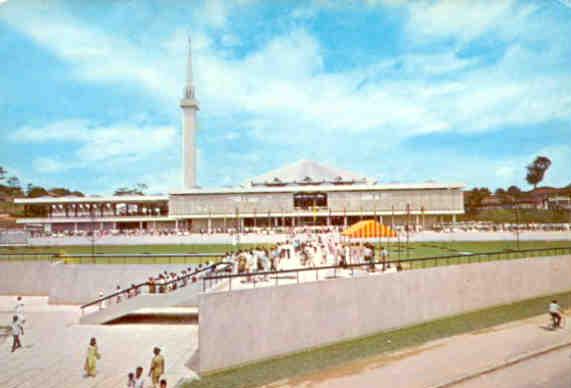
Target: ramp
186 296
106 309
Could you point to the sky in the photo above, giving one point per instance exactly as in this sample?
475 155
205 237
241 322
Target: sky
400 91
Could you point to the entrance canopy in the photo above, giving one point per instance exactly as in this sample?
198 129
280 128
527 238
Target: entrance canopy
369 229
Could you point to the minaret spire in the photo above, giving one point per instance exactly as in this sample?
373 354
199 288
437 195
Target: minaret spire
189 106
189 89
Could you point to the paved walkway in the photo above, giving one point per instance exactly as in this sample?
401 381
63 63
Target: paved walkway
548 371
55 346
441 361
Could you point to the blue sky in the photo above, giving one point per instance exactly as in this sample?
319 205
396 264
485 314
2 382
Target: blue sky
408 91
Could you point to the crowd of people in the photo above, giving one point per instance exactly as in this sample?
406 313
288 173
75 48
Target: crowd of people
446 227
162 283
308 250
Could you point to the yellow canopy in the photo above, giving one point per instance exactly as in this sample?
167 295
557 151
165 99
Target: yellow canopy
369 229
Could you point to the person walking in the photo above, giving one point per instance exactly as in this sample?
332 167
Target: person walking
157 368
17 331
139 379
93 355
19 310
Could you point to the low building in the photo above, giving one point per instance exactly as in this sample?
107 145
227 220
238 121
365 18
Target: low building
305 193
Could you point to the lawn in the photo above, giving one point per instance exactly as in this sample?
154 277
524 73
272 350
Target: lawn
302 363
414 250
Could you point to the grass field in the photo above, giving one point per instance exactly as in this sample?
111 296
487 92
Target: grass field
299 364
403 252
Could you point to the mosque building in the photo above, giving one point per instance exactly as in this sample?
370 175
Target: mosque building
305 193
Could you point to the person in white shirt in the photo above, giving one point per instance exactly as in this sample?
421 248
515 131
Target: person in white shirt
139 379
17 331
20 310
555 312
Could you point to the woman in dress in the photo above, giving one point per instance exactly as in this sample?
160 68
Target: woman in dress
91 359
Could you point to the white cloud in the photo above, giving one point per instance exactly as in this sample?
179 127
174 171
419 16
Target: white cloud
46 165
284 94
285 90
466 19
98 144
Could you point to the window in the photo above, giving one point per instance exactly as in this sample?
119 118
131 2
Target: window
309 200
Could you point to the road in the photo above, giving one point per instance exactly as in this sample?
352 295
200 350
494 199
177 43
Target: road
552 370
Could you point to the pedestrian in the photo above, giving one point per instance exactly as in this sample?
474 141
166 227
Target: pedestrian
163 384
131 380
93 355
157 367
101 302
20 310
139 379
118 289
17 331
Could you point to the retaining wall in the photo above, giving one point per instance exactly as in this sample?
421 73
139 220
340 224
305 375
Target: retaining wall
25 278
272 321
70 283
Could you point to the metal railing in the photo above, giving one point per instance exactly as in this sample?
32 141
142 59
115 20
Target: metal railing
32 256
138 258
111 258
138 288
380 266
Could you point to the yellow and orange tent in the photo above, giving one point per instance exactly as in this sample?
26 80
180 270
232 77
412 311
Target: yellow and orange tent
369 229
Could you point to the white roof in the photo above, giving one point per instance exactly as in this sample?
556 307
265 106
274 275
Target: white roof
307 172
73 199
322 188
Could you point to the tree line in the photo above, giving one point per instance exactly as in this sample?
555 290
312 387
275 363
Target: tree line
535 172
11 187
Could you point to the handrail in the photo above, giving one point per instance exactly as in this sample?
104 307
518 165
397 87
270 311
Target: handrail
387 262
57 254
147 283
144 255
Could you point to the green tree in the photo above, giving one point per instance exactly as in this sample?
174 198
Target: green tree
474 197
514 191
35 191
536 170
62 192
3 173
138 189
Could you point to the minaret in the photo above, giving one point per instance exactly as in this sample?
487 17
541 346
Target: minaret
189 106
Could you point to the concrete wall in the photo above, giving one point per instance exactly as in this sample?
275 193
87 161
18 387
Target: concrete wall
25 278
81 283
72 284
271 321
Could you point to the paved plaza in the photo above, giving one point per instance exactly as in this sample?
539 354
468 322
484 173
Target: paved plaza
54 348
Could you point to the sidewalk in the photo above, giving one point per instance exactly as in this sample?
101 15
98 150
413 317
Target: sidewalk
54 348
439 362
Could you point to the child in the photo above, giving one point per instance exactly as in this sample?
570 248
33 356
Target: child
139 380
131 380
163 384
